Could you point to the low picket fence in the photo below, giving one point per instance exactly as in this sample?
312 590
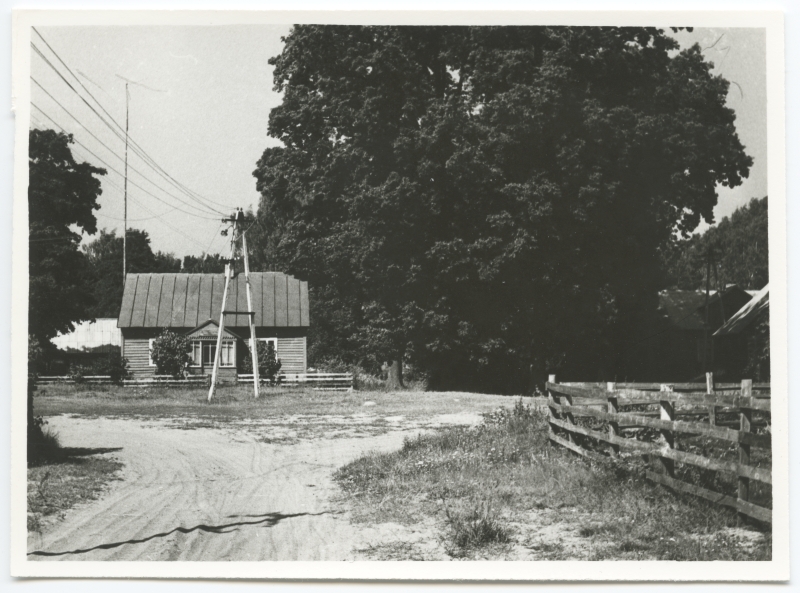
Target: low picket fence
45 379
161 380
722 411
317 381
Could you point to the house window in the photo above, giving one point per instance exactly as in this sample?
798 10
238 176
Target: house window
228 355
197 354
273 341
207 349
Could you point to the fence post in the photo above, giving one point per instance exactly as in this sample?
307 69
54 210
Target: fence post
667 410
613 427
745 425
712 409
551 399
570 418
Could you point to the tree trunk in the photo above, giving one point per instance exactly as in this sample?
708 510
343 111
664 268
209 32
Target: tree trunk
394 380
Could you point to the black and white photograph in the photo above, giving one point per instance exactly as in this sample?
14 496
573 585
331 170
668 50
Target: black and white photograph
301 296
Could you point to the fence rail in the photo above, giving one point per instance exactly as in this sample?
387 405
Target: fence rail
167 380
701 412
317 381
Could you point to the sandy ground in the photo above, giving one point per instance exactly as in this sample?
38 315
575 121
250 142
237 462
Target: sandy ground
261 491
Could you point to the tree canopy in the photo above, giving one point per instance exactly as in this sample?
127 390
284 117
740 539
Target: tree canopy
487 201
738 247
62 198
205 264
105 260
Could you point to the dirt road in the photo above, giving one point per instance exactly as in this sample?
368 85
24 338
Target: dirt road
219 493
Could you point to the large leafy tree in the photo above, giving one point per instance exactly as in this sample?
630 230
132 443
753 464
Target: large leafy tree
62 198
105 259
737 250
488 201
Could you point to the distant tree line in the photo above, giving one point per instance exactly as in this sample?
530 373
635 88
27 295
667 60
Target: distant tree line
737 248
105 262
69 283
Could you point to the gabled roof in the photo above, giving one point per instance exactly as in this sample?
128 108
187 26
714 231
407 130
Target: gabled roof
746 315
186 300
208 331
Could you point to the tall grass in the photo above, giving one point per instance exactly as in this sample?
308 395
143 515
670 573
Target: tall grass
484 480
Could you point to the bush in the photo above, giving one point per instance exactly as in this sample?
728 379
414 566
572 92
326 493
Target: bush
268 363
114 365
78 372
171 354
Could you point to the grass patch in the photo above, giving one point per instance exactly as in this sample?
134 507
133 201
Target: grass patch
236 402
61 478
538 496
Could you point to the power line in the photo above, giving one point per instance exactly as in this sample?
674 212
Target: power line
146 157
101 213
103 144
121 175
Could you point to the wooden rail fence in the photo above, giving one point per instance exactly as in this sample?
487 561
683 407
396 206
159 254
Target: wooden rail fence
700 407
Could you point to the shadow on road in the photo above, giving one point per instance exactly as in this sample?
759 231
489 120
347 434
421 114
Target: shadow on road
267 520
86 451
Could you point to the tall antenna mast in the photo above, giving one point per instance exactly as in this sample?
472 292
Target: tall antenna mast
125 192
125 215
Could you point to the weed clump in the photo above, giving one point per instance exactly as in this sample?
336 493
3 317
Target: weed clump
477 527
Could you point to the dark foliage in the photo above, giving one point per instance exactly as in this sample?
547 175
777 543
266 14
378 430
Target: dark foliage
739 248
207 264
170 353
268 363
105 258
112 365
487 203
62 193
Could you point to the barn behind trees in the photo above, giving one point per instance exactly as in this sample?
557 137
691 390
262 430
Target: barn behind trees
190 304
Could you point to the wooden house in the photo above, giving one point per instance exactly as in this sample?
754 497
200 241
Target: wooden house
190 304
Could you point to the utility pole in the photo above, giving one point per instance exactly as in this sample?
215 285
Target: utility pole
125 215
236 220
228 275
250 312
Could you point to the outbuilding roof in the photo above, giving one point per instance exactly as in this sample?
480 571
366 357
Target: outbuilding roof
746 315
685 309
187 300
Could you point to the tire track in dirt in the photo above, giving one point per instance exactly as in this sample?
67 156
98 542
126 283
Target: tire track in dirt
203 495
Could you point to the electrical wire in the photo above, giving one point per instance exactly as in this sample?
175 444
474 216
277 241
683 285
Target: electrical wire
135 146
83 126
146 157
122 175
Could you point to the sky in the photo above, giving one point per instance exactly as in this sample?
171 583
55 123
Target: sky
199 107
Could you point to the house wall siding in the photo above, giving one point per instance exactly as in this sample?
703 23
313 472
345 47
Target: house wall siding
136 349
291 349
292 354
